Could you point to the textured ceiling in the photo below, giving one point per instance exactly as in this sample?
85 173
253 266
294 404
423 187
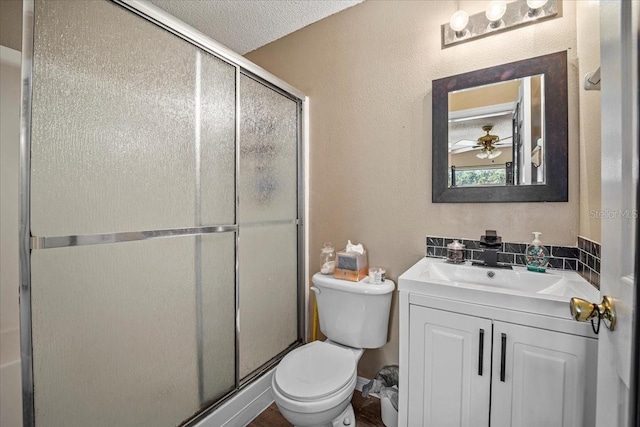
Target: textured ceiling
245 25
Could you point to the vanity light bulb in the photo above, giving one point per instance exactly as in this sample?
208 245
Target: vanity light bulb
459 20
536 4
496 10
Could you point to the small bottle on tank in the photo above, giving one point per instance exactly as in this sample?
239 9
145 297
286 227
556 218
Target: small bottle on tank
327 259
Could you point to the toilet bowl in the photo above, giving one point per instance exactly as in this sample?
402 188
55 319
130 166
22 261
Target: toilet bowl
313 385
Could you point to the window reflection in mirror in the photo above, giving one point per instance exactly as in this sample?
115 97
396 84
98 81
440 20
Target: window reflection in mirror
496 134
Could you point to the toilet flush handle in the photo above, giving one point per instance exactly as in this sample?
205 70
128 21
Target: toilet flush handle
316 290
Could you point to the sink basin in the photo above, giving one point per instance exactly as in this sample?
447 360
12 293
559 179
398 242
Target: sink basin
519 279
518 289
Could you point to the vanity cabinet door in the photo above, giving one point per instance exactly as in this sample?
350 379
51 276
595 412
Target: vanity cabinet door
540 378
450 365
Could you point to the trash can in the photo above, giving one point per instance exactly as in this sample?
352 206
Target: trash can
385 385
389 414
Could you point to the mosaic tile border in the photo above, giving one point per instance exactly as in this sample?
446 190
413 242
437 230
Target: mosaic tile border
584 258
589 260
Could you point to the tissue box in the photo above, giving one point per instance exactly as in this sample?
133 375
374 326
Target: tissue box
351 266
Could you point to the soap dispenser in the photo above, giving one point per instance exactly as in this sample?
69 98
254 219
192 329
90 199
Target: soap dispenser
537 255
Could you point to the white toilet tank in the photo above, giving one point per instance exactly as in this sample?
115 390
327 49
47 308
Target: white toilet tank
355 314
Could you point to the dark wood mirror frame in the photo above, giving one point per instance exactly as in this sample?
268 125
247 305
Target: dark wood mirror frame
555 189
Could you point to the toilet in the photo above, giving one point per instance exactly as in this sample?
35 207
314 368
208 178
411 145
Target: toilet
314 383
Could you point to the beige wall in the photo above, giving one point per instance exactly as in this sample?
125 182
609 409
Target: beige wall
10 382
588 30
368 73
11 24
10 370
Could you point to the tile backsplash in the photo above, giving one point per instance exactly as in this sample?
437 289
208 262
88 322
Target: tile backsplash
585 258
589 261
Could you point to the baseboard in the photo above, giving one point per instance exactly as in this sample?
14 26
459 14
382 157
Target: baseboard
244 407
10 56
9 346
250 402
361 381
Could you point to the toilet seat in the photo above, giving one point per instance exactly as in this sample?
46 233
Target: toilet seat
314 371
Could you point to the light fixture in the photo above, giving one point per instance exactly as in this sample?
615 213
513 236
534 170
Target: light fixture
486 153
458 23
494 13
488 150
535 8
494 153
499 16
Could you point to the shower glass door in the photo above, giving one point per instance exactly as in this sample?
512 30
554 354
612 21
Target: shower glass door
268 227
162 213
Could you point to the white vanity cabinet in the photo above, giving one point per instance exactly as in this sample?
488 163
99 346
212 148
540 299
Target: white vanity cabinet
469 357
542 378
450 368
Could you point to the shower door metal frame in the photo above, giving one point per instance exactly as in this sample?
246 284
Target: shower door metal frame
26 348
27 243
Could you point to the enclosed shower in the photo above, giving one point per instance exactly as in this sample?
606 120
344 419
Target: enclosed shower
162 207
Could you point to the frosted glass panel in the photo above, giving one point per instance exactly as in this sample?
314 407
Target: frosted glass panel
268 157
114 334
218 314
217 140
115 126
268 293
114 330
133 130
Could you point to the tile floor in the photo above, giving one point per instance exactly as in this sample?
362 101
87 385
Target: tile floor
367 414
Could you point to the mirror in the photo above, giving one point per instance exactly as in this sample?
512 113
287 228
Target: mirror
500 134
495 134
